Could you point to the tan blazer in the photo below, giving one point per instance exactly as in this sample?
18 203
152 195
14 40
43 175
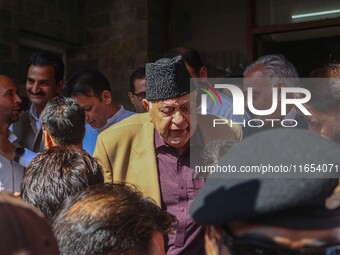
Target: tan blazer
126 150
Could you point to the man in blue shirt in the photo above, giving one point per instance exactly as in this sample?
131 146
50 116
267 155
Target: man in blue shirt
92 91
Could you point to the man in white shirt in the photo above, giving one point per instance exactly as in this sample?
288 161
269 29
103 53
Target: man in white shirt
10 171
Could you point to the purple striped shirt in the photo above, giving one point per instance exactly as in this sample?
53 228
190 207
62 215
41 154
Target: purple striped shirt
178 189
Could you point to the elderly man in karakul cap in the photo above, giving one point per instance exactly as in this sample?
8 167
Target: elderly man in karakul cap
152 150
246 216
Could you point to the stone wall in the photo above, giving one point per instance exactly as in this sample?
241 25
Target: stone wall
115 34
110 35
58 20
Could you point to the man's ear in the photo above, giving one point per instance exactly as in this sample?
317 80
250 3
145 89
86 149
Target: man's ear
203 72
146 104
48 140
106 97
130 94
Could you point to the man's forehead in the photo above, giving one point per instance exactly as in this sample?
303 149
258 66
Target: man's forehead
50 67
88 93
41 70
140 85
175 101
7 84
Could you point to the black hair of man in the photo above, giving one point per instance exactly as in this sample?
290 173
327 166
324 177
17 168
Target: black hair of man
46 58
57 173
137 74
87 82
109 219
189 55
64 120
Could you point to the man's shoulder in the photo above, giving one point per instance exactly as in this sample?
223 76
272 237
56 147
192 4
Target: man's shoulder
23 116
22 121
134 123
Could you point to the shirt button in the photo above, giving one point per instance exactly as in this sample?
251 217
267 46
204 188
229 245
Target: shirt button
181 209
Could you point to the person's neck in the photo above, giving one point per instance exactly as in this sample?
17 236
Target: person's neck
4 128
54 144
113 110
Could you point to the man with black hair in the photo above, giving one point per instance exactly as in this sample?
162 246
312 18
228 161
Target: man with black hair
137 89
111 219
45 74
92 91
56 174
63 122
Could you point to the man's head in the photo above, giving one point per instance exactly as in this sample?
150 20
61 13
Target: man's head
45 73
9 101
171 101
191 59
324 104
269 215
279 215
23 229
57 173
111 219
92 91
63 122
265 73
137 89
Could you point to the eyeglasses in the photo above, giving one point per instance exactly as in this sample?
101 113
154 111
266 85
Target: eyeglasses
140 95
247 246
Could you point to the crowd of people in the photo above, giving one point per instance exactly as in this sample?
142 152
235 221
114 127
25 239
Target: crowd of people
88 176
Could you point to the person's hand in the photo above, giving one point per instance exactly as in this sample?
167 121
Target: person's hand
7 149
16 194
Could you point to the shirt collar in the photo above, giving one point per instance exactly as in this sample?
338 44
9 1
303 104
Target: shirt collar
112 120
291 115
33 112
11 136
